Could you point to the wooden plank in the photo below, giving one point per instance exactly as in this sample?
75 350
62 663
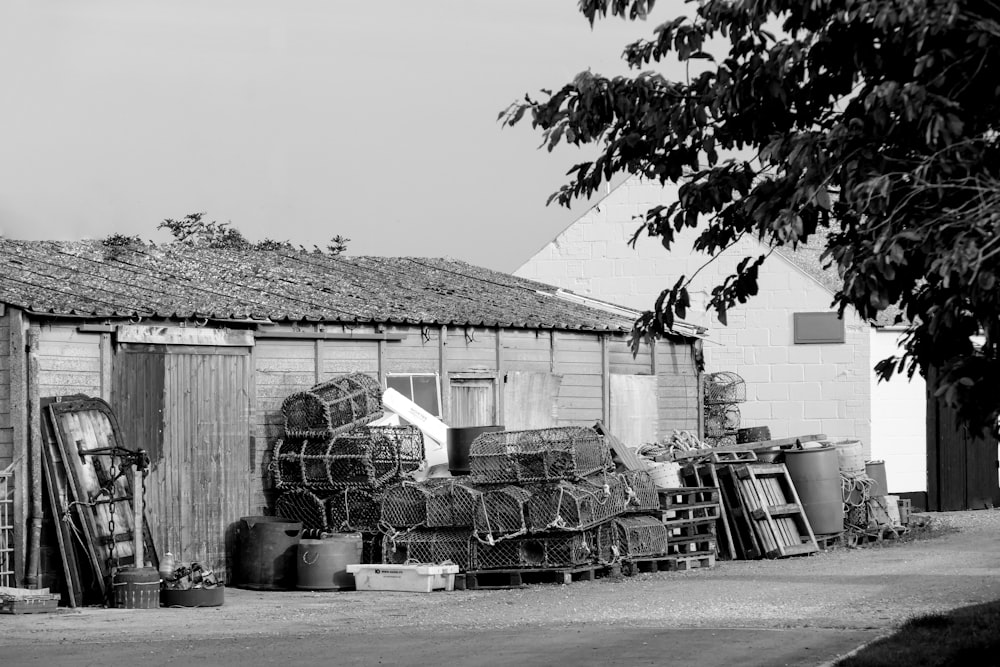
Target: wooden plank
19 423
633 408
164 335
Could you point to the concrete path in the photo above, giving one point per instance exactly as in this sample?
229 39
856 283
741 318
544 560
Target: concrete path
800 611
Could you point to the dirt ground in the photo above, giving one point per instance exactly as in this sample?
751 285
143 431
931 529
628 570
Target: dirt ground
827 603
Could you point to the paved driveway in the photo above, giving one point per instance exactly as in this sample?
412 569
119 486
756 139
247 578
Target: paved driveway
797 611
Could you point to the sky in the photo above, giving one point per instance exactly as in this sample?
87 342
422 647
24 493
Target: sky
294 120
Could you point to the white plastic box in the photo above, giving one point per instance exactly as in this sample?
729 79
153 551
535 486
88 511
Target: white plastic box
416 578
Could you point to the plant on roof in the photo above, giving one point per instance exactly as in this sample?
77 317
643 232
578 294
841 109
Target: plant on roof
194 230
877 119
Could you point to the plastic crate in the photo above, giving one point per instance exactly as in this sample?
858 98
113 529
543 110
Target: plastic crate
416 578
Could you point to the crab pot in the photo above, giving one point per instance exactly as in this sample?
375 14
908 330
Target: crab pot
540 455
429 546
502 511
543 551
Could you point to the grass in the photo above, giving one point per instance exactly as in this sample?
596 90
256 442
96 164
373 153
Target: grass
968 636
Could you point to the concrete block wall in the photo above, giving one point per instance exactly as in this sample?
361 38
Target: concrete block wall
792 389
899 426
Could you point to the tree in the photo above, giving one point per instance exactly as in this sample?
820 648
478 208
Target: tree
876 119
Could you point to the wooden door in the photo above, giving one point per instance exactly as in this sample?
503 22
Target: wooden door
189 407
961 466
473 402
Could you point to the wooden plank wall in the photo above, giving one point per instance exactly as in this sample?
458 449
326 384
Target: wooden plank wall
579 360
69 362
679 387
6 423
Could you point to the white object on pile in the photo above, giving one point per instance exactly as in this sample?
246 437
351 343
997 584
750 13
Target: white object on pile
416 578
434 430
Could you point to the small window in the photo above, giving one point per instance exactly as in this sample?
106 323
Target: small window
817 328
421 388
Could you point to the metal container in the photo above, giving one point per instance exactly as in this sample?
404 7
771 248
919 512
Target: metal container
322 563
816 475
267 552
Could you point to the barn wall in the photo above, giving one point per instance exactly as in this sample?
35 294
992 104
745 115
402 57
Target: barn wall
69 362
6 422
579 359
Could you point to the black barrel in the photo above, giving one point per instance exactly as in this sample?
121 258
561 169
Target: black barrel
459 443
268 552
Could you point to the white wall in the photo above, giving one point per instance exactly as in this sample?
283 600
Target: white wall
792 389
899 421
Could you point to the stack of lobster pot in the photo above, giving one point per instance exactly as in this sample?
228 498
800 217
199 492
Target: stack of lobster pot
551 499
543 499
330 466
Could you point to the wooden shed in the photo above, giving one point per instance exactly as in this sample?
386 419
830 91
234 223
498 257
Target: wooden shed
195 350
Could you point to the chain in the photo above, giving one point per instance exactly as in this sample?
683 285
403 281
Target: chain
113 475
142 482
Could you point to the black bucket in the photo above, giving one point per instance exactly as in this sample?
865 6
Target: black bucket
268 552
460 442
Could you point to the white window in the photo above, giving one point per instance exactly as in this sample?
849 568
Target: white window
421 388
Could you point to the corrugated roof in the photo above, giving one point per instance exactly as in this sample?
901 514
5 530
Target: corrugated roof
88 279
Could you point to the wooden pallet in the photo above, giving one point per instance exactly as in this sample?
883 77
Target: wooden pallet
690 562
727 458
687 496
517 578
830 541
771 507
703 475
690 514
689 532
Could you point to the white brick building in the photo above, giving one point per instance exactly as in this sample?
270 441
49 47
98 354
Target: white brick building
793 388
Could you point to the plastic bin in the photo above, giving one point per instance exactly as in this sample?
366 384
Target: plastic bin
416 578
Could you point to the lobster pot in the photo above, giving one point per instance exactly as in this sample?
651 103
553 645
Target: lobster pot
576 505
404 505
316 463
605 543
502 511
724 387
641 491
720 441
541 455
390 448
452 504
303 506
429 546
721 420
338 405
545 550
353 510
641 536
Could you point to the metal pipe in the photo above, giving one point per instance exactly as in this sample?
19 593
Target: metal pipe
35 457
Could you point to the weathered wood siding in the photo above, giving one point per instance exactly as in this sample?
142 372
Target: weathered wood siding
69 362
281 367
679 387
579 360
6 422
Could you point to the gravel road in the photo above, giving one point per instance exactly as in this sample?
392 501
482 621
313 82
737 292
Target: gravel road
871 589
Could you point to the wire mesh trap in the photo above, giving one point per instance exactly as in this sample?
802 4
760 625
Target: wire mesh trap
353 510
543 551
540 455
724 387
303 506
502 511
404 504
644 496
425 545
453 503
330 407
641 537
721 420
576 505
369 457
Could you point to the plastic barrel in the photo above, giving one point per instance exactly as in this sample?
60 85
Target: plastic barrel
267 552
322 563
136 588
816 476
460 442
